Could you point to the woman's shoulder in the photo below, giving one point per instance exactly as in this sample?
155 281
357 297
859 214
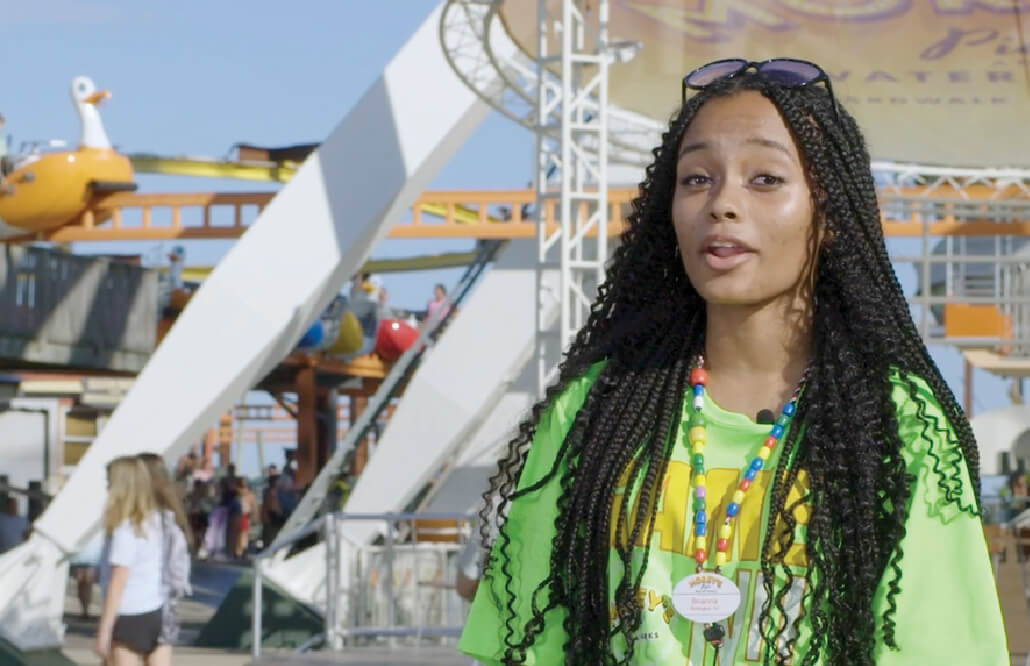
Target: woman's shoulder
564 406
930 445
916 401
142 529
556 419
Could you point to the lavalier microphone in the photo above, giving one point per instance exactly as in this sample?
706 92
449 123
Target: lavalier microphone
765 417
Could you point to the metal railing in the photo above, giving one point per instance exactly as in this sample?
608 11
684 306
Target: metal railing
373 604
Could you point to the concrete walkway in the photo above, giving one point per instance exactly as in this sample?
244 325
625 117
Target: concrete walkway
80 651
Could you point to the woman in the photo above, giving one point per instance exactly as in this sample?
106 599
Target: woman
1015 495
749 456
199 504
83 568
166 497
437 307
166 500
131 574
271 513
248 509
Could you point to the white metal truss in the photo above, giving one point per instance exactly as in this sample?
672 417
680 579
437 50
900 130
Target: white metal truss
577 159
472 36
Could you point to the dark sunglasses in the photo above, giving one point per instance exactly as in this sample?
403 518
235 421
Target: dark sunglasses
787 72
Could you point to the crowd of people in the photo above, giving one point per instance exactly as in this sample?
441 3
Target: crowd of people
227 516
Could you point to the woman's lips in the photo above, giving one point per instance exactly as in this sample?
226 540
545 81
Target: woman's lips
726 257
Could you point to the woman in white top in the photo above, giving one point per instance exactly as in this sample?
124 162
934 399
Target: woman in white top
166 499
130 624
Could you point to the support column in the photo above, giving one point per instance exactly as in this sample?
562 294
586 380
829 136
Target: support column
307 426
210 439
225 437
327 409
360 459
967 388
572 149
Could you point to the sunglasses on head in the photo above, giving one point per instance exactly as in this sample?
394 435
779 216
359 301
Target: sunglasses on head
786 72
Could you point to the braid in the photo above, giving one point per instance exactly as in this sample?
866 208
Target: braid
646 325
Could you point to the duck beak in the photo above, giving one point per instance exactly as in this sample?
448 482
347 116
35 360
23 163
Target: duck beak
97 97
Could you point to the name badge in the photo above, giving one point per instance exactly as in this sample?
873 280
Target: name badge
706 597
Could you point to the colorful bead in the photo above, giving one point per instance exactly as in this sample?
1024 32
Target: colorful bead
697 437
698 376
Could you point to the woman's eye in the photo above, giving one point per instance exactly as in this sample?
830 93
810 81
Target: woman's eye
694 180
768 180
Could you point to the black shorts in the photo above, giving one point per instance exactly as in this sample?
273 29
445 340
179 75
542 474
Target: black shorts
139 633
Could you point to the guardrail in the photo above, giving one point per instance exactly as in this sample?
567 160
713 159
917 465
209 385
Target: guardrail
416 608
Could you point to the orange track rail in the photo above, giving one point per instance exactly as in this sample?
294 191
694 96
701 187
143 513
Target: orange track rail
462 214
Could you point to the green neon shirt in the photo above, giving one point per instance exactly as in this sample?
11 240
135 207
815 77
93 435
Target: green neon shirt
947 610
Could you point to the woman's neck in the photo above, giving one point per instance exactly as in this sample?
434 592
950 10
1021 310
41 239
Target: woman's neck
755 356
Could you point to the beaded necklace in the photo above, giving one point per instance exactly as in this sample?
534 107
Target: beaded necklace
710 597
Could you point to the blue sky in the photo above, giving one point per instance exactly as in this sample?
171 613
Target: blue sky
193 78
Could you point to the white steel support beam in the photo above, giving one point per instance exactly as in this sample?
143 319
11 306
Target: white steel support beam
577 161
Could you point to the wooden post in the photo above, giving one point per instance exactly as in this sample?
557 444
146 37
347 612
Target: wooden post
307 426
358 405
327 408
259 437
225 440
210 439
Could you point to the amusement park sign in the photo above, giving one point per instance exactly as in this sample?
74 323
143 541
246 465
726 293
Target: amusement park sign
930 81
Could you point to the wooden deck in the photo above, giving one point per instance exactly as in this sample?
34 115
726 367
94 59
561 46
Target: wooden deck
1012 591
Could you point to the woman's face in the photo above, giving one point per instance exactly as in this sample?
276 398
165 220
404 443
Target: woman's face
742 208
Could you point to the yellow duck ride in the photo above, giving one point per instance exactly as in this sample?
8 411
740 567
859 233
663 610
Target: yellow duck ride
43 191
